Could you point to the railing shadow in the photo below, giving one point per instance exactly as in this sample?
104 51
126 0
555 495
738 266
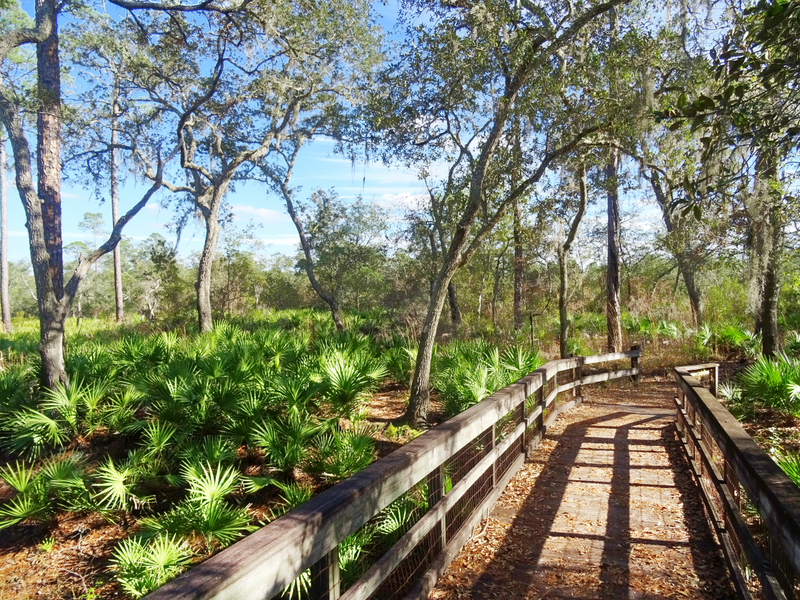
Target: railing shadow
584 454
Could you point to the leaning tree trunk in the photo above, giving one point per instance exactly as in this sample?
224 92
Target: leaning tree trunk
417 412
6 307
613 304
452 300
203 285
683 252
118 301
326 297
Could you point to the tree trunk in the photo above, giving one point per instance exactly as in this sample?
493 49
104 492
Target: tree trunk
563 263
6 307
417 412
563 287
115 205
613 305
203 285
49 148
329 299
455 311
498 275
682 254
518 264
52 315
770 339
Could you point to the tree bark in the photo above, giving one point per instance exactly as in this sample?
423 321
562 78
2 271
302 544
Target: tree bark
498 275
769 243
683 254
49 146
118 301
518 266
563 264
6 307
203 284
326 297
455 311
613 305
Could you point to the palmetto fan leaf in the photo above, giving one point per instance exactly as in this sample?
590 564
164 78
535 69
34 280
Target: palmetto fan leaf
65 402
286 440
17 476
25 506
142 566
209 484
29 430
115 485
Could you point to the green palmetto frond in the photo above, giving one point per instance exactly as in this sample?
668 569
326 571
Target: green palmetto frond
209 484
520 360
24 506
29 430
286 440
157 437
115 485
65 401
339 454
217 522
789 464
17 476
15 385
347 379
142 566
212 449
292 495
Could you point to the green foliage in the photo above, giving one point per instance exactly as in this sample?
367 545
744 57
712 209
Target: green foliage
774 383
339 454
467 372
143 565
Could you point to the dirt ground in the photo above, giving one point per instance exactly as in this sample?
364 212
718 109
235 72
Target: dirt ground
605 508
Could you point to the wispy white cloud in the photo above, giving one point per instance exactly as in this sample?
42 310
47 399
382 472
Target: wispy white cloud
265 215
280 240
71 196
399 200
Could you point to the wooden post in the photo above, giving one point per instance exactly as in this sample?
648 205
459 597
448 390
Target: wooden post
435 494
325 577
715 380
635 364
579 379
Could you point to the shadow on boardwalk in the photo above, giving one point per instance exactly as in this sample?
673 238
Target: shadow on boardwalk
606 508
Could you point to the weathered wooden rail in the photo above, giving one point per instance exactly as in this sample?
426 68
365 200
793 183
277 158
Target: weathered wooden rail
460 467
754 507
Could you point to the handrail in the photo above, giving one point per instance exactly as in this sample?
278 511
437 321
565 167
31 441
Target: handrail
731 468
261 565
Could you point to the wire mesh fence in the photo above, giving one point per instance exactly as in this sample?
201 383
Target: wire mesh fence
762 566
383 533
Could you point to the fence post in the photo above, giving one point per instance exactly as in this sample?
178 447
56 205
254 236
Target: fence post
635 364
325 577
435 493
579 378
715 380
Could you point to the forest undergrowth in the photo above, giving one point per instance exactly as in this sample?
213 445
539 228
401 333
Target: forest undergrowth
170 445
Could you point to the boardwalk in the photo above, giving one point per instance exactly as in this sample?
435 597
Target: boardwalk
605 508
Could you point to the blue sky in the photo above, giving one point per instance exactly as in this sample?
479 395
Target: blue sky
318 167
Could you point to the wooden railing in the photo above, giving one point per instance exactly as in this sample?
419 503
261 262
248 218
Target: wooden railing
754 506
459 468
